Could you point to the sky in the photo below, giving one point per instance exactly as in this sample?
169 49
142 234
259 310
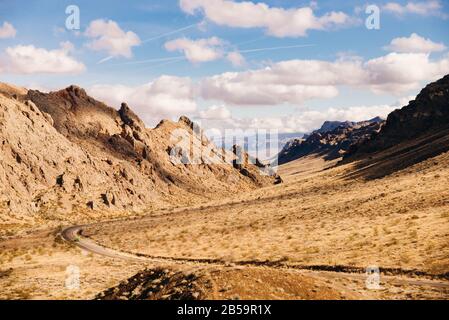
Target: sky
284 65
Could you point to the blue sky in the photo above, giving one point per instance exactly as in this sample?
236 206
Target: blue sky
295 96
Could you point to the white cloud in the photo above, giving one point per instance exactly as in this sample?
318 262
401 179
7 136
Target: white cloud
304 121
107 36
7 30
236 59
278 22
260 88
291 82
400 72
196 51
423 8
415 44
296 81
29 60
215 112
165 97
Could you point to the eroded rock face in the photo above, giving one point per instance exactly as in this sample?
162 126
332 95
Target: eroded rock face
129 118
330 144
428 113
65 151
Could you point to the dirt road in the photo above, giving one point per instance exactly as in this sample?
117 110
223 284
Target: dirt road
74 234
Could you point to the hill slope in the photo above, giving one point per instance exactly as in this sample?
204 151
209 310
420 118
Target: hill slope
66 152
416 132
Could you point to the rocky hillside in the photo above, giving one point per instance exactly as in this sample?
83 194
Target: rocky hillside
331 141
65 152
417 132
427 114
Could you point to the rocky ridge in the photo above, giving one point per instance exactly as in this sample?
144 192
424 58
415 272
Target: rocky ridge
427 114
331 141
64 152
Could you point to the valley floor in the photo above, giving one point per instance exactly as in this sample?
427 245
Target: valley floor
319 216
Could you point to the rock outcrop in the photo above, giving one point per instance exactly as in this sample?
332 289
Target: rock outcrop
64 151
427 114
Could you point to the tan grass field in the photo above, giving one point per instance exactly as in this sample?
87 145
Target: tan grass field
318 216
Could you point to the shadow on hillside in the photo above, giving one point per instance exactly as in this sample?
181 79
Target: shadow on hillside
381 164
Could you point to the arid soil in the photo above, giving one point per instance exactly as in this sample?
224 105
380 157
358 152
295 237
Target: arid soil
315 218
318 217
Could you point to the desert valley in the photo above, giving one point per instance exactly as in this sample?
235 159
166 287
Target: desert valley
139 215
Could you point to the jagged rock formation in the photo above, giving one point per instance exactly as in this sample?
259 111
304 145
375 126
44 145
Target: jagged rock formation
415 133
331 141
428 113
252 167
64 151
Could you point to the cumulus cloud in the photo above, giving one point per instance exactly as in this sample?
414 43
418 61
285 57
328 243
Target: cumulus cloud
165 97
423 8
205 50
304 121
291 82
296 81
196 51
215 112
236 59
256 88
400 72
30 60
415 44
278 22
7 30
107 36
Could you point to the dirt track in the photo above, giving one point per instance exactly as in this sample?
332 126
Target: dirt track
73 234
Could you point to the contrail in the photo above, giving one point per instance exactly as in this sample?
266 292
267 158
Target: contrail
276 48
226 52
163 64
105 59
150 60
170 33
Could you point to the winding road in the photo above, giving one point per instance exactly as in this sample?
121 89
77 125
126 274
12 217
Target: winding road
74 235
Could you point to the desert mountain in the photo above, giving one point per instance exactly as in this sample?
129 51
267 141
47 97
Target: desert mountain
64 151
415 133
427 114
331 141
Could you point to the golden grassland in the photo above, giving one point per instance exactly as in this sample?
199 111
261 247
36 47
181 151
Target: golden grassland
316 217
319 216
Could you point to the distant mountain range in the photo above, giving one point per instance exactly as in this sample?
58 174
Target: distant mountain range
331 141
265 148
409 135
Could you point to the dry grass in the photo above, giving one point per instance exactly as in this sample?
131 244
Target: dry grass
35 268
315 217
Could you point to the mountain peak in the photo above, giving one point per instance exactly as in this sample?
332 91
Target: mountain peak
129 117
185 120
76 90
